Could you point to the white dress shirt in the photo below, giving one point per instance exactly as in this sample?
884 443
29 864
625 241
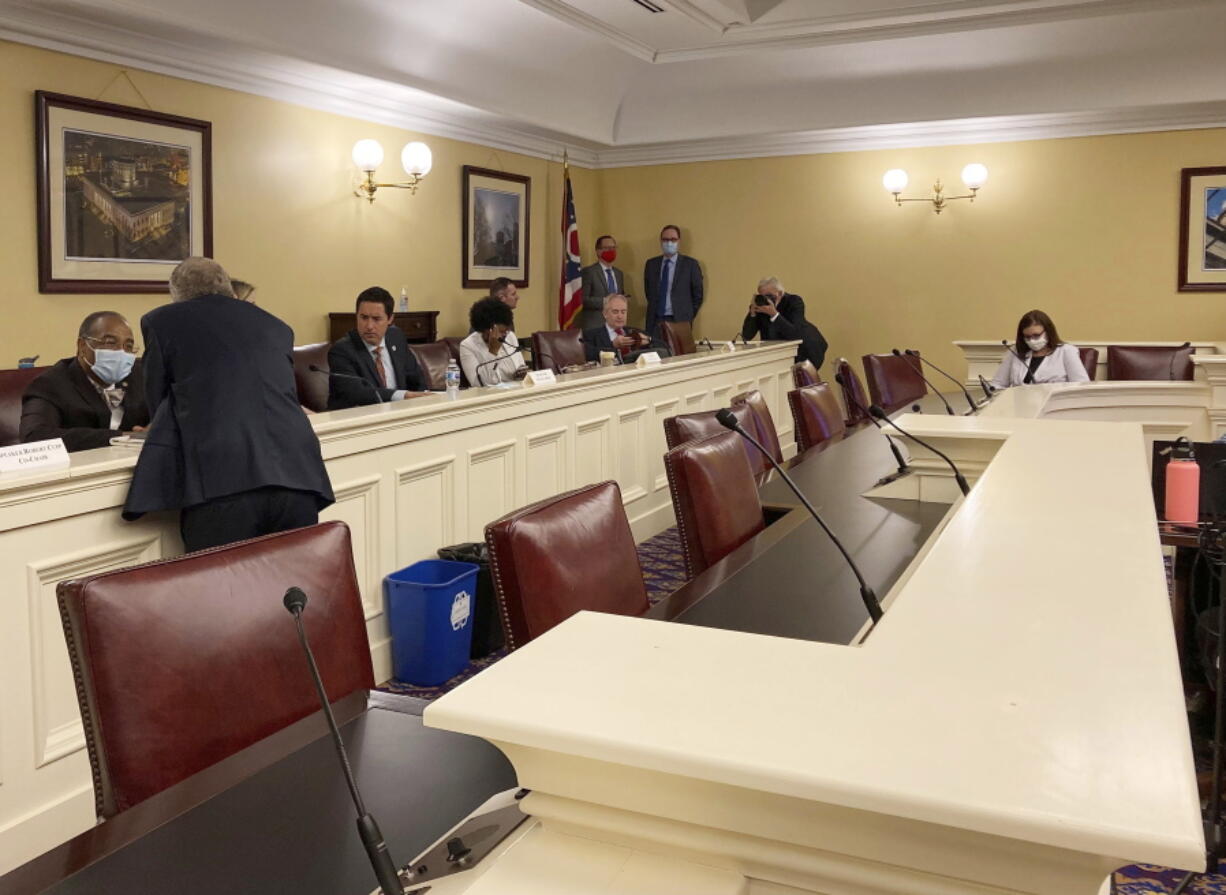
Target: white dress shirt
474 352
389 372
1062 365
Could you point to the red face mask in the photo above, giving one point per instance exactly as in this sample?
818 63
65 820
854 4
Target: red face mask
608 256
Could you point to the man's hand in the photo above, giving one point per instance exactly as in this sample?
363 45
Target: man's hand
768 309
622 343
140 428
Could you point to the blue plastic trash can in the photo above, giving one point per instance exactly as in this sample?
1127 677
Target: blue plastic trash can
430 607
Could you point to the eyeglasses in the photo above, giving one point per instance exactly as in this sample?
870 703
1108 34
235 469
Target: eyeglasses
110 343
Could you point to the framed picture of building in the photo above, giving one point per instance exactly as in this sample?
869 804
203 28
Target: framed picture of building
124 195
1202 230
496 227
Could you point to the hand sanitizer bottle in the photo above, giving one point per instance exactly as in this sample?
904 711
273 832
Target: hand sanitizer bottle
404 299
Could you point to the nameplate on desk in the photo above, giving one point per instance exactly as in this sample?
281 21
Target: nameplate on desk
648 359
540 377
34 456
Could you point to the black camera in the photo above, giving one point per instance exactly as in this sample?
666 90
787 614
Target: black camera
761 301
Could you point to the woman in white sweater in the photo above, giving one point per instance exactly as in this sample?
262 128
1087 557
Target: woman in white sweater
1038 355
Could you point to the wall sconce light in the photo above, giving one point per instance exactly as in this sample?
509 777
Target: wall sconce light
973 175
368 156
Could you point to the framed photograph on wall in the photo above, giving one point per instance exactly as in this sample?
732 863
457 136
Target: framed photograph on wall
124 195
496 227
1202 230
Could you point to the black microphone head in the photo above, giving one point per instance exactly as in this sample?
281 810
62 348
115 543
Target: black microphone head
909 352
915 408
727 419
876 411
895 352
295 600
838 377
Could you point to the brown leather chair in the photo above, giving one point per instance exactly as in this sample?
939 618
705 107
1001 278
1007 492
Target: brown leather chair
767 434
804 373
693 426
181 663
816 415
893 380
432 359
1089 360
312 387
678 336
1149 362
555 349
715 498
562 555
12 386
453 345
855 399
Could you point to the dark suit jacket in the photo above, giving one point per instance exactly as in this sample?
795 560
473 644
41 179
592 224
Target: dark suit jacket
596 340
219 379
350 355
63 403
790 324
595 288
686 294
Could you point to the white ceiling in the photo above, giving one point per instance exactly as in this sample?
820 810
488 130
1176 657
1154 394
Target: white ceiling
619 84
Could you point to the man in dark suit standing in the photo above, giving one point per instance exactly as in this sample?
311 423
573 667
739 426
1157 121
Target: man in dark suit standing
89 399
229 444
779 315
598 280
613 334
373 362
672 282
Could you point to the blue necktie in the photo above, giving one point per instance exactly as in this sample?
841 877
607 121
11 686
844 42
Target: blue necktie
612 283
666 304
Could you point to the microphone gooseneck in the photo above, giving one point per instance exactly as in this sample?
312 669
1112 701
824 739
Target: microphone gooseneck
923 360
920 373
902 464
516 346
876 411
372 838
370 385
988 390
727 419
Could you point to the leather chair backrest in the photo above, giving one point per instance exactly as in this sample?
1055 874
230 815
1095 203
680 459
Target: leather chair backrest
804 373
855 399
12 386
312 387
715 498
432 360
555 349
1149 362
562 555
678 335
181 663
816 415
693 426
767 434
1089 360
893 380
453 345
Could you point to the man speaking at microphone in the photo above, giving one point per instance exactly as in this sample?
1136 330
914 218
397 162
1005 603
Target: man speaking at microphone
228 445
613 335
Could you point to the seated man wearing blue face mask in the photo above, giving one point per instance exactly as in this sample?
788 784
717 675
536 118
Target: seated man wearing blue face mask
89 399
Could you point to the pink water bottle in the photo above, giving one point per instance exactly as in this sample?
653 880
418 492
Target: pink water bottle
1182 484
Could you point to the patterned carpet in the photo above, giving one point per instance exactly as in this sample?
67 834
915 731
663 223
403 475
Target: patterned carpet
664 572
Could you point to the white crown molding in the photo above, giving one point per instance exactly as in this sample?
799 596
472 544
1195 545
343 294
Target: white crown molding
565 12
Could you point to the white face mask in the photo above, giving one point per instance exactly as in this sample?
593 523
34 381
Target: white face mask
1037 344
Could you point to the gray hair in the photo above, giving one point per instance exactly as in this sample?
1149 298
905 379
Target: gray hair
772 282
608 298
199 276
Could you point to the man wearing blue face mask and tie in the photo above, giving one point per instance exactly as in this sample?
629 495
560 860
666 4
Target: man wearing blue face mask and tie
89 399
672 282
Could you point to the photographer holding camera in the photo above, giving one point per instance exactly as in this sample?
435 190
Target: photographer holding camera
778 315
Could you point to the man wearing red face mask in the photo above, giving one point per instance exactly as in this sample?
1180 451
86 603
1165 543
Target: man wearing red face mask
600 279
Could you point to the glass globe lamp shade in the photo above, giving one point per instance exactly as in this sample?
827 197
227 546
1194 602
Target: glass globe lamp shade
367 154
974 176
895 180
417 159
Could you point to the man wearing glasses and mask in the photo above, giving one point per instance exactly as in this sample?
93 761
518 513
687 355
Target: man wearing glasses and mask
89 399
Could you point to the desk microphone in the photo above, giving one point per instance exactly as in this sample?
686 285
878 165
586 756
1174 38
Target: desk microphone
516 346
902 464
920 373
1175 354
988 390
370 385
376 848
1009 348
707 342
728 420
876 411
923 360
493 360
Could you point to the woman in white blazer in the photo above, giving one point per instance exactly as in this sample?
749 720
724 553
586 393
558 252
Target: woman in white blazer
1039 356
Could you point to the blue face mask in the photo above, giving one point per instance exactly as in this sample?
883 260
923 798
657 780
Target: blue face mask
111 365
669 246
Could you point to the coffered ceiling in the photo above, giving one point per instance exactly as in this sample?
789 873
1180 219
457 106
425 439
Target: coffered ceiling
620 83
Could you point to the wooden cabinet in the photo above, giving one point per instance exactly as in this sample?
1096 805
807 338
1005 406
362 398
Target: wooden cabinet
418 326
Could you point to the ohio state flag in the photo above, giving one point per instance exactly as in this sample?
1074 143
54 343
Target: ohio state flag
570 301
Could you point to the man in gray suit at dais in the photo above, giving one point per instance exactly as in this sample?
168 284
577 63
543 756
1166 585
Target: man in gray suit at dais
672 283
598 280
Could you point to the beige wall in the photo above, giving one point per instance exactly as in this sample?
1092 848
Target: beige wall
1084 228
